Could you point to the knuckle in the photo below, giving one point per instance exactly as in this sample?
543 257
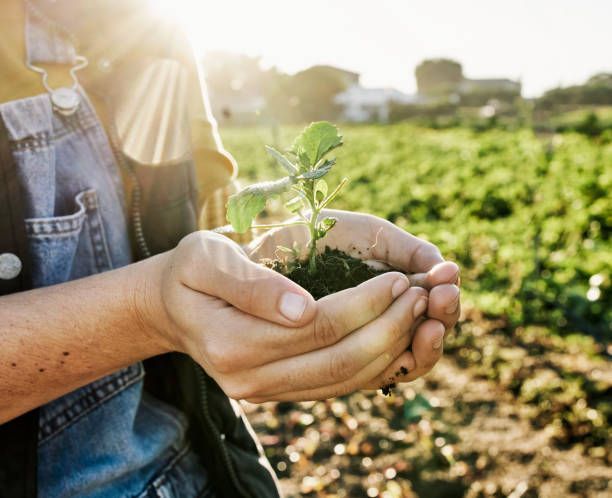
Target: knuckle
417 292
247 295
392 330
429 248
193 242
325 330
340 367
425 248
371 303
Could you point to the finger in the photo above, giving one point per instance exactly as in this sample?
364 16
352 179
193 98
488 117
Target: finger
244 342
343 361
223 270
427 348
369 237
442 273
343 387
444 304
401 249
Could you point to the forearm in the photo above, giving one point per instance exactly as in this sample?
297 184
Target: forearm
56 339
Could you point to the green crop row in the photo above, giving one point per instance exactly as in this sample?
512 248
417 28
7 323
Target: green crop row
527 218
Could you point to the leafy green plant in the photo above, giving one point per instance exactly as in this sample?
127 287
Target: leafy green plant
306 163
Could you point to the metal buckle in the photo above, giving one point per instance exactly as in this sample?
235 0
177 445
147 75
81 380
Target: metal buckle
65 100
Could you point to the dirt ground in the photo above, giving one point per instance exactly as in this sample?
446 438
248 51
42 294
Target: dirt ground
514 414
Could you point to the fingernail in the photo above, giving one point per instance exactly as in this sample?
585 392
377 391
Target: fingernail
400 286
452 308
420 306
292 306
437 342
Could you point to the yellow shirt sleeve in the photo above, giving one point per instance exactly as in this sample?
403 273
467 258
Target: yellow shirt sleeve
215 167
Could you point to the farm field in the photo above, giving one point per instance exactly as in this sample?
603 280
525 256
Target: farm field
521 403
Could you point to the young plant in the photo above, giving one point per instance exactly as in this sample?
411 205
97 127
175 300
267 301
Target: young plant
306 164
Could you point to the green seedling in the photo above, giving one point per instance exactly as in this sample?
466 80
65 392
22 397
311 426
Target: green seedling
306 163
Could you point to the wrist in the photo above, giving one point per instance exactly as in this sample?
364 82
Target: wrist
147 307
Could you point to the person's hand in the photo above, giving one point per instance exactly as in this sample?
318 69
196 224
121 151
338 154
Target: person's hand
371 238
262 337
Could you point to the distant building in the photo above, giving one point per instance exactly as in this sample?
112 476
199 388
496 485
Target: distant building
442 81
347 78
360 104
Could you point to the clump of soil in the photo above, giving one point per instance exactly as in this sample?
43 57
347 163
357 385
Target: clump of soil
335 271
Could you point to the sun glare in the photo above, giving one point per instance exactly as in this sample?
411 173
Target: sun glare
200 19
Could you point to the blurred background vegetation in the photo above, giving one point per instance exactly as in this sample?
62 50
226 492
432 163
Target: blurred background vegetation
517 191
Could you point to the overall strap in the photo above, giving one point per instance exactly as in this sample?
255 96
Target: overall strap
46 40
19 436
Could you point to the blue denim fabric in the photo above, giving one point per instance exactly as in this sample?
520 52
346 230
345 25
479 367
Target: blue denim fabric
106 439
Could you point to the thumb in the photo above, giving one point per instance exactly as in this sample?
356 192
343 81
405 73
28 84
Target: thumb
228 273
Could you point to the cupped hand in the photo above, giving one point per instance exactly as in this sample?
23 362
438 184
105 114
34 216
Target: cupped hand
379 241
262 337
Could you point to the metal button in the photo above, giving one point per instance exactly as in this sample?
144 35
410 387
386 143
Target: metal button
65 100
10 266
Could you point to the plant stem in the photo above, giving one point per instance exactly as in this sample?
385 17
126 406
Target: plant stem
312 225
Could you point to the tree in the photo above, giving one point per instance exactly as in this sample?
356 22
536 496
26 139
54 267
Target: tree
312 92
596 91
600 79
438 76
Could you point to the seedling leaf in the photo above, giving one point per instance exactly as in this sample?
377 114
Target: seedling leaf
315 141
325 225
320 171
306 165
244 206
282 160
321 190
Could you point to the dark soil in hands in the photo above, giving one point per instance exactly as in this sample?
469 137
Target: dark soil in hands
335 271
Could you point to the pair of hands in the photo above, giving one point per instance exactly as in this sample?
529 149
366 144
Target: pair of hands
263 338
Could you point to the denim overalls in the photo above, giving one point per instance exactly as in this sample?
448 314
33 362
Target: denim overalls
109 438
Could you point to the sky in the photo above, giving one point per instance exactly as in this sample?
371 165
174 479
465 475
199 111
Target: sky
544 43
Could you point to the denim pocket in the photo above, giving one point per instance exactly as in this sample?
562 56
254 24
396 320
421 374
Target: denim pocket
66 247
